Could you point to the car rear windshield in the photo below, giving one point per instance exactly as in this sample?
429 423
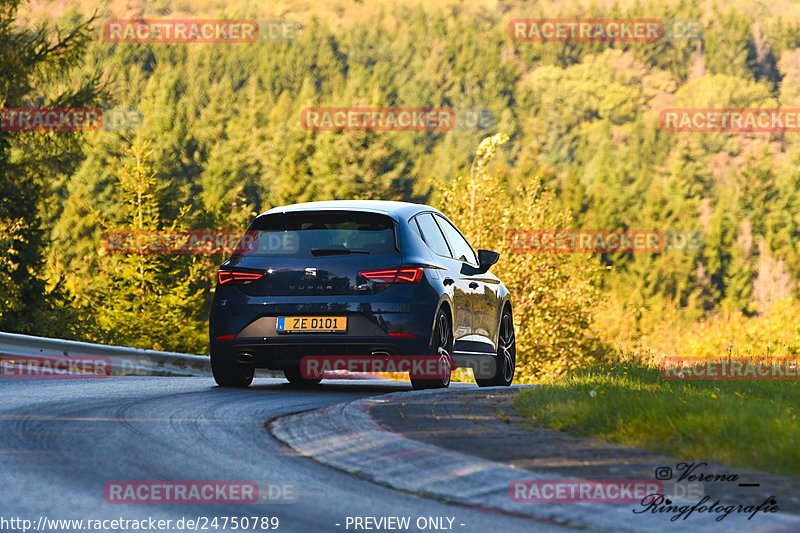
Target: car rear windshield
319 233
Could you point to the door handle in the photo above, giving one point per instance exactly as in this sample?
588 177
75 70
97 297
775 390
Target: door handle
473 285
448 281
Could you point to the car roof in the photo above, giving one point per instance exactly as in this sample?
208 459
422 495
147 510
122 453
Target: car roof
396 210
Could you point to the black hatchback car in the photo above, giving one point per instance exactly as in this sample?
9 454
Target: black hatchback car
359 278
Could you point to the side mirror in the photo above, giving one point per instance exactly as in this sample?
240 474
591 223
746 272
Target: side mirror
486 258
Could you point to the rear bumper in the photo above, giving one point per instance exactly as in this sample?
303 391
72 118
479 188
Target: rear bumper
277 353
247 325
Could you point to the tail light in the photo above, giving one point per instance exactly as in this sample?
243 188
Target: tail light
394 275
234 277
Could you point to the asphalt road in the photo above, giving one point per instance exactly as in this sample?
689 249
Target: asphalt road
62 441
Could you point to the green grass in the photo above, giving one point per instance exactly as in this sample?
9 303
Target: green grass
749 424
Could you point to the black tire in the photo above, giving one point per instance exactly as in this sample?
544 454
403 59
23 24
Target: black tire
442 345
506 355
228 373
296 378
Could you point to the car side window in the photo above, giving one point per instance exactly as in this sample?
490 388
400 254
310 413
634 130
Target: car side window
458 244
432 235
415 227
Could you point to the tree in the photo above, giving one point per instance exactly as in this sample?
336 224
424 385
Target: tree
148 300
34 65
553 295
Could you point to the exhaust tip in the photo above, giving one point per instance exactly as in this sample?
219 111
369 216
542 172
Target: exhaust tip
245 358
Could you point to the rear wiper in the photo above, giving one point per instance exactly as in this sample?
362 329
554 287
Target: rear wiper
336 251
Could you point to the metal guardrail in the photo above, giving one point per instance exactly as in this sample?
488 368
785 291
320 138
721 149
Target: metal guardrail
124 361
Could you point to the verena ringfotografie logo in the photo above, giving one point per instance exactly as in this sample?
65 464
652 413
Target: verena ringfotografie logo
680 368
199 31
707 120
69 119
583 490
659 504
53 367
618 30
690 485
417 366
378 118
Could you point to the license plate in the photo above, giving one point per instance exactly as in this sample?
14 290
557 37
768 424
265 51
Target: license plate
312 324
